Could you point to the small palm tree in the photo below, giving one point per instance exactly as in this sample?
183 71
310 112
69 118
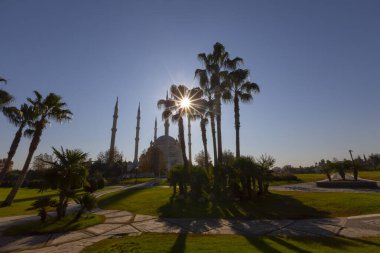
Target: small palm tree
49 108
42 204
238 88
20 117
67 173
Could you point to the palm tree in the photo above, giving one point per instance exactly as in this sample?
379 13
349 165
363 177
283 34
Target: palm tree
21 118
174 111
5 97
67 173
215 63
239 88
194 96
49 108
204 84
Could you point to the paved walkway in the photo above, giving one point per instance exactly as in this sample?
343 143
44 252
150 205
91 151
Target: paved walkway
312 187
123 223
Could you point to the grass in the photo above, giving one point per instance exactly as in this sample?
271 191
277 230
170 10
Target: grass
24 199
131 181
188 243
276 205
53 226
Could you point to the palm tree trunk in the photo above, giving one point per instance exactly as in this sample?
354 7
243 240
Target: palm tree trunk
219 129
204 140
212 119
12 151
182 143
32 148
189 137
237 125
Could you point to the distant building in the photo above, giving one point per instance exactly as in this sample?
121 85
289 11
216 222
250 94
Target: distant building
2 164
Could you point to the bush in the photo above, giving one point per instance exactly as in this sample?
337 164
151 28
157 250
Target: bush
198 182
178 176
283 177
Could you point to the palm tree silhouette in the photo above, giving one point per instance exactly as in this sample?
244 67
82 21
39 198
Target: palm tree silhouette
5 97
49 108
239 88
20 117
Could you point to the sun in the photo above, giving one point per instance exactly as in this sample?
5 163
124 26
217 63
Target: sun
185 103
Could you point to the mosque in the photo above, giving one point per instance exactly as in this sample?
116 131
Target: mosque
169 147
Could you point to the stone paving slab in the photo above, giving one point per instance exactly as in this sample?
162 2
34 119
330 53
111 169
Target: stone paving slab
118 220
157 226
197 226
123 230
117 214
141 217
290 232
358 232
60 238
102 228
257 227
314 228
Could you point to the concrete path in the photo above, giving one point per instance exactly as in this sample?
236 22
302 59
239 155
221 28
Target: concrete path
123 223
312 187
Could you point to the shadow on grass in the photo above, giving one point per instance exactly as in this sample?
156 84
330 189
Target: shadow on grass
116 197
179 245
270 206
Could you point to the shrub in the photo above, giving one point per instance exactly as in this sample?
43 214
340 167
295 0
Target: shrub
42 204
198 181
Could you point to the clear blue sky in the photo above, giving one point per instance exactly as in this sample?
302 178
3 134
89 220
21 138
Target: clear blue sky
317 63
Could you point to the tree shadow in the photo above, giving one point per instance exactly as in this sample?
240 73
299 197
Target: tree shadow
179 245
116 197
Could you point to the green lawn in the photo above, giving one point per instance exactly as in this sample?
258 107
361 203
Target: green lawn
54 226
190 243
276 205
24 199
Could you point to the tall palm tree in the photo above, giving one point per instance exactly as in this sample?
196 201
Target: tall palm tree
49 108
239 88
5 97
174 111
204 83
21 118
215 63
194 97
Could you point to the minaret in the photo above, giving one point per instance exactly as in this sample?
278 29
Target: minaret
135 160
155 129
113 130
167 120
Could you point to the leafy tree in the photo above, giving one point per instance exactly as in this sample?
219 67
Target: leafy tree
104 156
239 88
247 172
41 161
152 160
49 108
22 118
200 159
